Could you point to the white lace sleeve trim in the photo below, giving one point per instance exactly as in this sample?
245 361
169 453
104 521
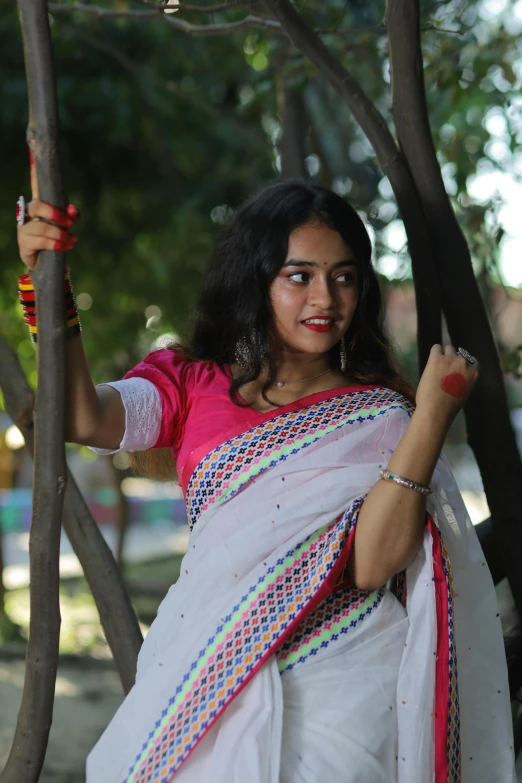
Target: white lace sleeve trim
143 409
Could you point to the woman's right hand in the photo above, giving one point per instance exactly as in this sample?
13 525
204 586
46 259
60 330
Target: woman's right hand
37 234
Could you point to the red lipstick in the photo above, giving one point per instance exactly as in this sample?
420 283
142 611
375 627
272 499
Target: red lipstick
319 327
314 323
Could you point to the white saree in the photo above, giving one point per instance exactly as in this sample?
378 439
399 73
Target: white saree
264 666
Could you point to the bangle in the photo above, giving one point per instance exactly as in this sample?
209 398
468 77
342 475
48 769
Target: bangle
27 298
404 482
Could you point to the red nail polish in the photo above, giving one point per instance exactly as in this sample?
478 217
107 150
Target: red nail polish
61 246
72 211
57 216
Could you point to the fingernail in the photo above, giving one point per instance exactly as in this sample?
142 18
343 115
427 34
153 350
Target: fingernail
57 216
72 211
62 246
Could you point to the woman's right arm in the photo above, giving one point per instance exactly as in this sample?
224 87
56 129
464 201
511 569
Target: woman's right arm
95 416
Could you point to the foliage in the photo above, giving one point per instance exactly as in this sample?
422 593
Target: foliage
150 149
161 132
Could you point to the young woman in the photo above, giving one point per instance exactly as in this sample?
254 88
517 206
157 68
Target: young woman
311 481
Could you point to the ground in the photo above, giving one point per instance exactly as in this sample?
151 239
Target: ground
86 699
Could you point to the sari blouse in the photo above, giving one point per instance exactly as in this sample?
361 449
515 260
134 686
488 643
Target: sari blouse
172 402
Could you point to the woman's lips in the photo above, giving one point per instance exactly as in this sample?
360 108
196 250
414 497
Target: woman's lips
318 327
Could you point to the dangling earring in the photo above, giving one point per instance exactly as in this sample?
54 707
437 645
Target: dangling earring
243 354
344 361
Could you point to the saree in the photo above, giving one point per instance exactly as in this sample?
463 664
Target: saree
264 665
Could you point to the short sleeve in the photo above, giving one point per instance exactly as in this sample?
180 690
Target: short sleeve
173 379
155 397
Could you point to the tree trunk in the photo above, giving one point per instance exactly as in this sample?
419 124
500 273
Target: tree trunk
34 719
393 164
118 619
122 517
291 109
490 436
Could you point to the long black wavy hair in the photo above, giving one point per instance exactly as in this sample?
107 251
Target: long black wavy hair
249 254
235 303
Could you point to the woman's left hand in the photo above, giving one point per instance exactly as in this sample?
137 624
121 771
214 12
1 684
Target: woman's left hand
446 383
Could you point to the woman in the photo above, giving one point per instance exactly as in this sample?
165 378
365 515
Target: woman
310 482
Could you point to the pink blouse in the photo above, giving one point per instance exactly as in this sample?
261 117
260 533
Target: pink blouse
185 405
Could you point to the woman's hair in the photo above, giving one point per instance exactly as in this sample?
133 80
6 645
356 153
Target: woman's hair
235 303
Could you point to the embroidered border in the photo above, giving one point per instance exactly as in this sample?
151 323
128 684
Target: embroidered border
338 614
453 735
289 589
446 714
227 468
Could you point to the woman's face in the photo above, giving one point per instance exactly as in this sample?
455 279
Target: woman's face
315 293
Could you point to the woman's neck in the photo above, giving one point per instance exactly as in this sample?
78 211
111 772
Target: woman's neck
303 385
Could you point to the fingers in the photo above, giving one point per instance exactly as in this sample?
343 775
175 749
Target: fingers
34 244
449 352
41 209
36 228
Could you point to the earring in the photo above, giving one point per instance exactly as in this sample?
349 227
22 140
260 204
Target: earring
243 354
344 360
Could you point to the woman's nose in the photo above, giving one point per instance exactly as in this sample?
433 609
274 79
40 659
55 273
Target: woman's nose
321 295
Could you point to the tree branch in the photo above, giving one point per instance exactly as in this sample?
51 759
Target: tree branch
199 9
224 28
117 616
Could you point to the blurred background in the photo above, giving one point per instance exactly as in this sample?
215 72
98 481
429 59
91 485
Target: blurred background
163 134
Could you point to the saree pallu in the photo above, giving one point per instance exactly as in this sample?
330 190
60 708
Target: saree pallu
264 666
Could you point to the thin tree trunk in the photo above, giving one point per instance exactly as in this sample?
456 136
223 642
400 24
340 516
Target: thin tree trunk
292 146
118 619
290 106
122 517
34 718
392 163
490 436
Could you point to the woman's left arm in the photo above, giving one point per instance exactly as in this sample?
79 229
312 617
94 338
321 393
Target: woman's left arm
391 521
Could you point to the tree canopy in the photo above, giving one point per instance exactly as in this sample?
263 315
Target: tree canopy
163 133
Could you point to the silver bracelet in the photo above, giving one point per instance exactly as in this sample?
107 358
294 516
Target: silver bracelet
404 482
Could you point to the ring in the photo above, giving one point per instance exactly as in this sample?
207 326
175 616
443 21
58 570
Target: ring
465 355
21 212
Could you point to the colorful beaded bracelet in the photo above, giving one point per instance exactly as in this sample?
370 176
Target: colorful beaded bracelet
27 298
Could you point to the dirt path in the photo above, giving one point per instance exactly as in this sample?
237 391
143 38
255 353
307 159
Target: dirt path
86 699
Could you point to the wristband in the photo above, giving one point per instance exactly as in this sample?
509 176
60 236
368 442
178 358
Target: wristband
27 298
404 482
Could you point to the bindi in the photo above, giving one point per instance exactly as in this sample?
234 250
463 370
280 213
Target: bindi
454 384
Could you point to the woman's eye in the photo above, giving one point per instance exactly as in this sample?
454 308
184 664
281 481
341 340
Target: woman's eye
346 277
305 277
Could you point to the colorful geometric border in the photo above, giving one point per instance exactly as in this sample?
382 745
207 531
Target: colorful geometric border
337 615
259 623
225 470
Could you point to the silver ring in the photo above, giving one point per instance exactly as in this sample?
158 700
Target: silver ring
465 355
21 211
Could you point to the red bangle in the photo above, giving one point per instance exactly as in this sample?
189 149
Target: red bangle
26 295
